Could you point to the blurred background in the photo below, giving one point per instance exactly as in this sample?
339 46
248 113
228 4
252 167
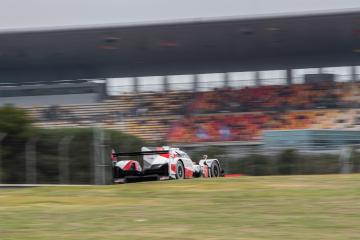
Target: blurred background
268 87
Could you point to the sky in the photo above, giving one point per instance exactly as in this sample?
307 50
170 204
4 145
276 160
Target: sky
32 14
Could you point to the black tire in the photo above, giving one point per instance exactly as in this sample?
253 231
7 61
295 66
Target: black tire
215 169
180 170
119 173
197 174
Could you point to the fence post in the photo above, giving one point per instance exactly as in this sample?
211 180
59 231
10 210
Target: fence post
97 176
63 159
344 159
2 137
30 156
101 166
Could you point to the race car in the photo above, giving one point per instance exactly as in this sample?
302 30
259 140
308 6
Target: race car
162 163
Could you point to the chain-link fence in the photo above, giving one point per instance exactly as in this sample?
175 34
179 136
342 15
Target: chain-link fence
82 156
63 156
257 160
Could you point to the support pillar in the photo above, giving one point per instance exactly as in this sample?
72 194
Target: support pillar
289 77
195 83
353 74
226 80
166 84
136 84
257 78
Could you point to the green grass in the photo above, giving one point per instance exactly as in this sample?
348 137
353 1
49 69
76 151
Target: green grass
295 207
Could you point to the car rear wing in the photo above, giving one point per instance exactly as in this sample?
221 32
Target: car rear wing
143 153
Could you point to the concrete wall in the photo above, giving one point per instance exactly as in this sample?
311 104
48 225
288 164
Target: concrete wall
28 101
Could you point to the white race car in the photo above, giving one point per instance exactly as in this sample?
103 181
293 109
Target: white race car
162 163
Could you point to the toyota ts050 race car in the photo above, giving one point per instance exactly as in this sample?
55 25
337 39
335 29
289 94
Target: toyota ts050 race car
162 163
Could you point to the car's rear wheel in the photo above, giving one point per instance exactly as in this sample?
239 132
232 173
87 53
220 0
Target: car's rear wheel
180 170
215 169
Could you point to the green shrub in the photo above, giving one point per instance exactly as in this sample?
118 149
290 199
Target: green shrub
256 165
14 121
288 162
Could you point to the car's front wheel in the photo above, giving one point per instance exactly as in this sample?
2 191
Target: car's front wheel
215 169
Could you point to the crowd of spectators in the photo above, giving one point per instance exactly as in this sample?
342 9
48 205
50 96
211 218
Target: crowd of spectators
220 115
250 126
232 127
277 98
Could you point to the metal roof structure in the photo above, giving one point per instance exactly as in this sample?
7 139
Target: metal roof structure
65 14
218 45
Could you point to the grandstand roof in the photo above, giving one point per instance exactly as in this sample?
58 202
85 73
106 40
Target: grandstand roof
321 39
68 13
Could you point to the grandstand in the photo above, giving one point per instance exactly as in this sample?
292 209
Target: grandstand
214 116
148 116
220 80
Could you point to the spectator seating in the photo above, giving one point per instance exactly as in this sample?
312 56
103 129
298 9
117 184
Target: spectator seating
148 115
249 126
265 98
219 115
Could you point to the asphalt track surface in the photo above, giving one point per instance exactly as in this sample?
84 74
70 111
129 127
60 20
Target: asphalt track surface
17 186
